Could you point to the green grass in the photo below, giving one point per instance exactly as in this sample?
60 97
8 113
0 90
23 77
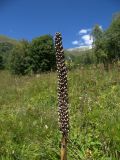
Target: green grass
28 116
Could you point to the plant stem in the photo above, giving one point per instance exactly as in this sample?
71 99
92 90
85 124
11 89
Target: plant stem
64 148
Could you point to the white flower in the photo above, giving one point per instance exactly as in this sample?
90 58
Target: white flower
46 127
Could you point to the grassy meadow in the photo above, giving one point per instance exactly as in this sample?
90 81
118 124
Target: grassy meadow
29 119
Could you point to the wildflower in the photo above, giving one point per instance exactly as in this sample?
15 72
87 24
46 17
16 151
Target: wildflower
62 95
46 127
62 86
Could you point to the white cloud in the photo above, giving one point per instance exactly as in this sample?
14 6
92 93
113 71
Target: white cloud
101 27
78 43
83 31
87 39
75 42
81 43
84 38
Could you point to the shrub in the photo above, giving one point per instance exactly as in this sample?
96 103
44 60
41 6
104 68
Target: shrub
19 58
42 54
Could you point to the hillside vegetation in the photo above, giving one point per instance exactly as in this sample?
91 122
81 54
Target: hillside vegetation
4 38
28 116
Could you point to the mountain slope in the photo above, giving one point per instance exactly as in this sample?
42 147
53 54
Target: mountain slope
5 39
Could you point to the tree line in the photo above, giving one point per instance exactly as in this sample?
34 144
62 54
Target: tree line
106 44
37 56
29 57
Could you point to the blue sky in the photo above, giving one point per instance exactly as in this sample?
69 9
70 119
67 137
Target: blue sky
73 18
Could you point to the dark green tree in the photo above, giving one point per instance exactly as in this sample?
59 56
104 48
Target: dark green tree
98 44
112 39
97 33
42 54
19 58
107 44
5 49
34 57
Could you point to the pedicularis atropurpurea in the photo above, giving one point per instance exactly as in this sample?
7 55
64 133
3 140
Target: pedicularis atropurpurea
62 94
